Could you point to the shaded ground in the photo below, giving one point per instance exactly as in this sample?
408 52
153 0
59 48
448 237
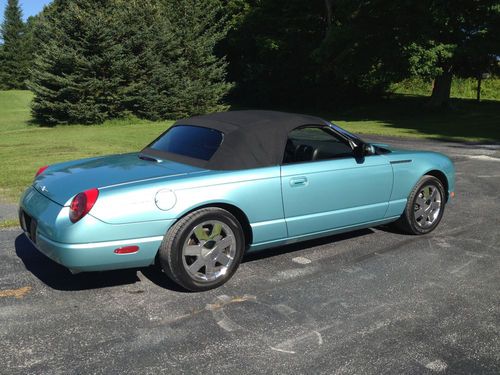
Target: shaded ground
370 302
407 116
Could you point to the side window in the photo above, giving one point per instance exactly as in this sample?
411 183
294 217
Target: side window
314 143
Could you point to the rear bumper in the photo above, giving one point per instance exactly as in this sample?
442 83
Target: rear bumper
89 244
99 256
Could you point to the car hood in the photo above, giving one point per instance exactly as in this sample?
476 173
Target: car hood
62 181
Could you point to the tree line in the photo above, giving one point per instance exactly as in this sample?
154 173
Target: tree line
87 61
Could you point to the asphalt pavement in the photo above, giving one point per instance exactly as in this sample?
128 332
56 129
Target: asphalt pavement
8 211
369 302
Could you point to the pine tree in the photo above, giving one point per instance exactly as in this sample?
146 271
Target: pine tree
188 78
13 56
76 71
139 26
154 59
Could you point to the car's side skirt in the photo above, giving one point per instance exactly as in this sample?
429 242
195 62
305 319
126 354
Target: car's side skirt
325 233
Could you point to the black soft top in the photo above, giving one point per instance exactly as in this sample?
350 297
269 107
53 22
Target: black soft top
252 139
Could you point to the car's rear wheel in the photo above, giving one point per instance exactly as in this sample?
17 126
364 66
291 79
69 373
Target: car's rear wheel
425 207
203 249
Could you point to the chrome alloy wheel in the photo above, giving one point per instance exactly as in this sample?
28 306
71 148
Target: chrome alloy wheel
209 251
427 206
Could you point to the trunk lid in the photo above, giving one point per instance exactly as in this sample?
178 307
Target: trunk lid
62 181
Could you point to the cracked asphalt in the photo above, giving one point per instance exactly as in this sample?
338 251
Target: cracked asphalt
369 302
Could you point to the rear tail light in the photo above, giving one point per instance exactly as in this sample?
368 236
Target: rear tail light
82 203
41 170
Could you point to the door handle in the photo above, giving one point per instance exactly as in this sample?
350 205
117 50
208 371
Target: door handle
298 181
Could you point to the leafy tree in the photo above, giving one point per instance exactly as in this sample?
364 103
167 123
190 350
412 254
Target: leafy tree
270 50
373 43
13 55
460 37
281 51
360 51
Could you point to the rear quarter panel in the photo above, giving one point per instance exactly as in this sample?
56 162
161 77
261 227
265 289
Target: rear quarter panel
257 192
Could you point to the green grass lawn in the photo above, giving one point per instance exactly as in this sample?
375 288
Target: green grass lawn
463 88
406 116
24 147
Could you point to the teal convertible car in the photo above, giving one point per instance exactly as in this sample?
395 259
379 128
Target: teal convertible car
213 187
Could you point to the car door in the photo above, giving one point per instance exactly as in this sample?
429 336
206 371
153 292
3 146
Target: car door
325 187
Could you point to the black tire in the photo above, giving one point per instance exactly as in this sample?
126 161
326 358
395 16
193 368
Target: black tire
170 254
407 223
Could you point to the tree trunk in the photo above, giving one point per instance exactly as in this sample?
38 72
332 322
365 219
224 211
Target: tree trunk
441 91
479 78
329 14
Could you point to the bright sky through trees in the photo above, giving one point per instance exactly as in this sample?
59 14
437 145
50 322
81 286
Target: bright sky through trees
29 7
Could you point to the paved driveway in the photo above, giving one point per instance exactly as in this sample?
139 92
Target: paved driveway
371 302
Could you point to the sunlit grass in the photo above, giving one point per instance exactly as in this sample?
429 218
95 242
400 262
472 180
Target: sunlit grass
24 147
461 88
11 223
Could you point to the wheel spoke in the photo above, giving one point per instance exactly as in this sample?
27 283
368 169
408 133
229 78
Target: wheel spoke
420 201
209 268
420 212
225 242
192 250
223 259
198 263
435 205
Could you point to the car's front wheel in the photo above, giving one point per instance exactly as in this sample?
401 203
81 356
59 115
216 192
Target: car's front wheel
203 249
425 207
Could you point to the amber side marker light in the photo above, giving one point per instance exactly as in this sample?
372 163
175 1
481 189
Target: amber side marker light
452 194
127 250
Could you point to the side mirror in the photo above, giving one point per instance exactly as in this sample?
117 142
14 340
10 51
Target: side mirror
368 149
364 149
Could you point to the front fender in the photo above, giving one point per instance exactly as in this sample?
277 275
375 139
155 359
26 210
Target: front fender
409 167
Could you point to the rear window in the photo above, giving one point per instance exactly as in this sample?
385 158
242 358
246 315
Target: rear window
192 141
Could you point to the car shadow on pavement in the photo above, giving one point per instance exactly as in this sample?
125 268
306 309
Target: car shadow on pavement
60 278
157 277
330 240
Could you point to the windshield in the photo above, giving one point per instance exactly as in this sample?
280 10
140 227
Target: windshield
192 141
